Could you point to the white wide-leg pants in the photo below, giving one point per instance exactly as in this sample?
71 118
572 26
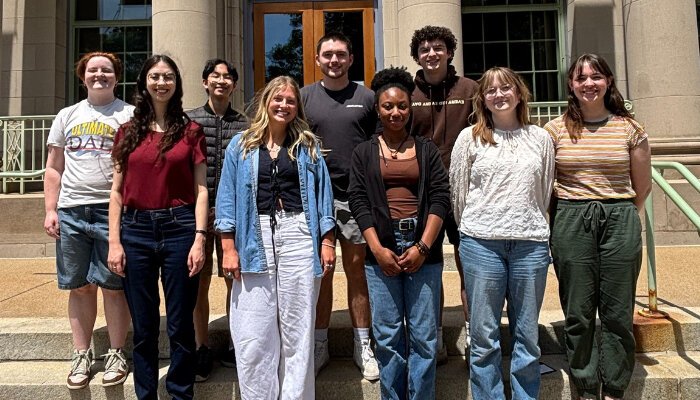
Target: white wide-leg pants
273 315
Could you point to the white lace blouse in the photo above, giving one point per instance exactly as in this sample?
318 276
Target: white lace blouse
502 192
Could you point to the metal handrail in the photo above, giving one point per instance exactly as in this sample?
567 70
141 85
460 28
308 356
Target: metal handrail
652 310
23 149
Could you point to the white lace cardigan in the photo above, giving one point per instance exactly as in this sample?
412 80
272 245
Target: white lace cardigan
502 192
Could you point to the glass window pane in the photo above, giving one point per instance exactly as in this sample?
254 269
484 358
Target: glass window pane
87 40
283 46
471 27
473 58
467 3
496 55
138 38
128 90
518 2
544 25
546 86
85 10
528 80
545 55
351 25
520 56
113 39
132 65
519 26
494 26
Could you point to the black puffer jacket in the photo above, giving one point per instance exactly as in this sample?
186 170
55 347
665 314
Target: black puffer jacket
218 132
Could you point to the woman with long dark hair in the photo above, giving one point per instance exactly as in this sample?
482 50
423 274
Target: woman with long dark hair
603 173
157 224
501 176
399 195
274 210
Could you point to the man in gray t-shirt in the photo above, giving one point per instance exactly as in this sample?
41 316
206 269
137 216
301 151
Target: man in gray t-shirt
342 114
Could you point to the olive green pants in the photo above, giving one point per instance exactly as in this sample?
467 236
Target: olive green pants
597 252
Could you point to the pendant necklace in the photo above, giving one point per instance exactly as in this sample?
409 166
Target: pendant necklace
395 153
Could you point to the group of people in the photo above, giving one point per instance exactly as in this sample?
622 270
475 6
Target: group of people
386 173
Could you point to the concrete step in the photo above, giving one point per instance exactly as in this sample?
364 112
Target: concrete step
656 376
50 338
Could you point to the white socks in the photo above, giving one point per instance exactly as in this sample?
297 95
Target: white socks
361 334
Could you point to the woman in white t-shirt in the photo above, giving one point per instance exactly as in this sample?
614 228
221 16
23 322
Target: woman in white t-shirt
77 185
501 176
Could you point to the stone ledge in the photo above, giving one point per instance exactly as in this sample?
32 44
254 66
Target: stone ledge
656 376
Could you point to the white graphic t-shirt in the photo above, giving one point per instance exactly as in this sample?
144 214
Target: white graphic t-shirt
86 133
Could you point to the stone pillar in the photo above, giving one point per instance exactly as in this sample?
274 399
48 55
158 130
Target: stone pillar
33 65
414 14
663 67
595 26
186 31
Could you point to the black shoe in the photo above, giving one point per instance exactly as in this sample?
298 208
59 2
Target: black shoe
204 364
228 358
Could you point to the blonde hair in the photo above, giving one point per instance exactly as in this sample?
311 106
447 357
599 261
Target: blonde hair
483 128
298 129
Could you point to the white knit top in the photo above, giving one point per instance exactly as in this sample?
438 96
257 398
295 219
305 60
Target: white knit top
503 191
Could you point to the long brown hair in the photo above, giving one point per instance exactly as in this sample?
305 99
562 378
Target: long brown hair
483 128
140 125
613 101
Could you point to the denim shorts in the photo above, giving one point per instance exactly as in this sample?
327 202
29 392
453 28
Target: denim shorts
81 253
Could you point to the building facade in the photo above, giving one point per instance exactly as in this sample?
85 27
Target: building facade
652 45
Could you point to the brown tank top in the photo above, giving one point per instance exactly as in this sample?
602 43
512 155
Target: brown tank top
401 183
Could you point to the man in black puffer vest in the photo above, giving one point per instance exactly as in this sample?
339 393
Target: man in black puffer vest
220 123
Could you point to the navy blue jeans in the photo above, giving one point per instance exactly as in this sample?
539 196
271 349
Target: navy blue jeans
157 242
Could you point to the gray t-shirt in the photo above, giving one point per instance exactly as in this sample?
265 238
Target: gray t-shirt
86 133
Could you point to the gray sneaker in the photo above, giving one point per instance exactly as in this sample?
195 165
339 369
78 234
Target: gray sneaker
79 376
116 368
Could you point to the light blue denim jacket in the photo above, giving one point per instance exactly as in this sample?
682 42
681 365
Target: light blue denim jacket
237 207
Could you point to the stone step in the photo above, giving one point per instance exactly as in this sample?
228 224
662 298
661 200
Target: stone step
50 338
656 376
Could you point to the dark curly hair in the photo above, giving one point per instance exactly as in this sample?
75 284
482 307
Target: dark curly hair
430 32
613 100
140 124
392 77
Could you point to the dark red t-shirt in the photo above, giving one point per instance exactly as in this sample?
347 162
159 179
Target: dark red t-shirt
151 183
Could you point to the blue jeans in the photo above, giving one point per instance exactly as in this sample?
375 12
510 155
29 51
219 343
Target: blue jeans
405 305
496 270
157 242
82 250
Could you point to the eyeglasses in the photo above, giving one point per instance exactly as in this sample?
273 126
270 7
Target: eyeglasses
492 91
166 77
216 76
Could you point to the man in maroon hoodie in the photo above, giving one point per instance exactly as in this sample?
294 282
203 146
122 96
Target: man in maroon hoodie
441 105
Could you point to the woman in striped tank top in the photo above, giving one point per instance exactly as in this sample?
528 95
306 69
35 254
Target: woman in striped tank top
603 176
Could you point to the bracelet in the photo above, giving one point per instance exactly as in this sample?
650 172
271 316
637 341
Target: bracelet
422 247
202 231
332 246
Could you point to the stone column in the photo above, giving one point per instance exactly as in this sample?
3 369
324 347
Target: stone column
595 26
663 67
186 31
414 14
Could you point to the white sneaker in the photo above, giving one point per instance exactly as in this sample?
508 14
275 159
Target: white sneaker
116 368
79 376
365 361
321 357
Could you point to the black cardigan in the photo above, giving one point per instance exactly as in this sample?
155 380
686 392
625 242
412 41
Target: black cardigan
367 195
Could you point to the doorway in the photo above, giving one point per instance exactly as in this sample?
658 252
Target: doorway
285 36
